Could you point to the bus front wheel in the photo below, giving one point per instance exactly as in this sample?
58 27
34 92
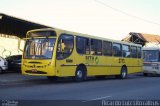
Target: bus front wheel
80 74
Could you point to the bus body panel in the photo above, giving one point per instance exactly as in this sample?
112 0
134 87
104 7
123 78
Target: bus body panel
151 62
151 67
95 64
38 67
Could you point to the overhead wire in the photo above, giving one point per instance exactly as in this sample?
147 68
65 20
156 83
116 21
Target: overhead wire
125 13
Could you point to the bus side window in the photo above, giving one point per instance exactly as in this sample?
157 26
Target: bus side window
134 51
126 50
65 46
82 45
117 50
107 48
139 52
96 47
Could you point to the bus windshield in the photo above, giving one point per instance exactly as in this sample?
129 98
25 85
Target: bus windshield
39 48
151 55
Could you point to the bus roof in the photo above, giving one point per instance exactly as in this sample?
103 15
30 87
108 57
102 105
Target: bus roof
151 48
83 35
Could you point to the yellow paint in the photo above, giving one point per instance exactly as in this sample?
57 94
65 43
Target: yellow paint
96 65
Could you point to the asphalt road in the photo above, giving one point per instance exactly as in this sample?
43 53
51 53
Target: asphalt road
15 86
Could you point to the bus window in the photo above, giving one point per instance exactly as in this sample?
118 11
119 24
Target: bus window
117 51
126 50
39 48
134 52
139 52
82 45
96 47
65 46
107 48
151 55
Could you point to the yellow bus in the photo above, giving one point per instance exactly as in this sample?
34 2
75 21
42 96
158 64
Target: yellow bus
57 53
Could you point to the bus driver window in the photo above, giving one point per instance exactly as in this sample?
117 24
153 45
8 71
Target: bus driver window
65 46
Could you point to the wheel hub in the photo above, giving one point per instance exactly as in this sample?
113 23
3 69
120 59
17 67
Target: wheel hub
124 74
79 74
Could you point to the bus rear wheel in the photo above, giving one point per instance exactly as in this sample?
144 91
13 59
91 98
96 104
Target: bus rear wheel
80 74
52 78
123 74
1 70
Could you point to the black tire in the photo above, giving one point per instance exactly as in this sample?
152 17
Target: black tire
123 74
145 74
80 74
52 78
1 71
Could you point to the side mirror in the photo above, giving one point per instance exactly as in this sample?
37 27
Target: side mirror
21 43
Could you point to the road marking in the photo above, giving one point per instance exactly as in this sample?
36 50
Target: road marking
100 98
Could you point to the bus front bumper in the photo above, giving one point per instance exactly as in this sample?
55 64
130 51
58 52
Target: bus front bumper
50 71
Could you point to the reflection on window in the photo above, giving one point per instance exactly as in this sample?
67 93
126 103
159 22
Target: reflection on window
39 48
107 48
139 52
96 47
134 52
83 45
65 46
151 56
41 34
126 51
117 50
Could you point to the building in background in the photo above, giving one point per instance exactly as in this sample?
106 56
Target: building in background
10 45
146 40
12 32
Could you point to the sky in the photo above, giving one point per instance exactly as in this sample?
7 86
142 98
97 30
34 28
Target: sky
112 19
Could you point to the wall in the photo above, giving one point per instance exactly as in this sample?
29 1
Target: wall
9 46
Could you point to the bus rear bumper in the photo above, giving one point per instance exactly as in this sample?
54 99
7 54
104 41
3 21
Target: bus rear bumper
152 71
